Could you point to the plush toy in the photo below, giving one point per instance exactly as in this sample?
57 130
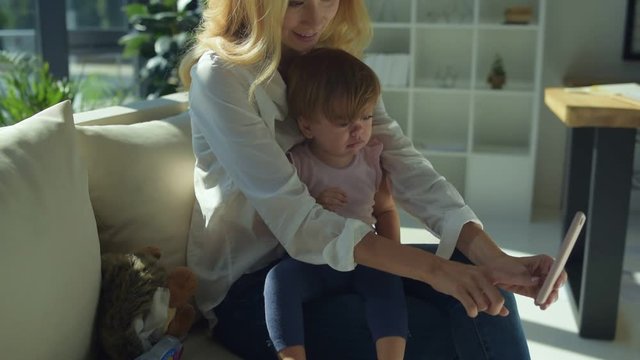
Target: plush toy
140 303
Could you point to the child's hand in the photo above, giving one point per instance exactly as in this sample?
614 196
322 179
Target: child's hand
332 199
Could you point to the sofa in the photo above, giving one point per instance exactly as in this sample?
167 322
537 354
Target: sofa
73 186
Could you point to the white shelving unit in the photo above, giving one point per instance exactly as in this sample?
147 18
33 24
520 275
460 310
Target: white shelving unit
482 140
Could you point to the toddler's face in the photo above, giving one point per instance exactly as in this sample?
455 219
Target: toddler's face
343 138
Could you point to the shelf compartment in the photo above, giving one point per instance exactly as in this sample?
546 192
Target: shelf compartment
437 63
397 105
390 40
392 69
517 49
500 186
397 25
441 121
493 12
389 11
502 123
445 11
452 168
508 27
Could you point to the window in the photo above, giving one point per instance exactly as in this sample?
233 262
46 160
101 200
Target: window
632 31
93 55
95 58
96 14
17 23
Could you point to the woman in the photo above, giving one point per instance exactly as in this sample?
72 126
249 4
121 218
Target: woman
251 206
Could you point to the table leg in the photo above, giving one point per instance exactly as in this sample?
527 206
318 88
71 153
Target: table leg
606 230
577 182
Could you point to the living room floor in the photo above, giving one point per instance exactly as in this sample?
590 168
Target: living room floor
553 333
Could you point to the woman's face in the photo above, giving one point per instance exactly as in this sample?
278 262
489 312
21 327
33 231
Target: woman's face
304 21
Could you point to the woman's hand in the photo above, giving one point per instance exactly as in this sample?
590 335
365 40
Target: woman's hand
332 199
520 275
469 284
505 267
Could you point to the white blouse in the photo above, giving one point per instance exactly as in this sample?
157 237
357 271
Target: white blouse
250 204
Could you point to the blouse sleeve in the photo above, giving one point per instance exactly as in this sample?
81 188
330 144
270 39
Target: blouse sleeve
246 148
418 188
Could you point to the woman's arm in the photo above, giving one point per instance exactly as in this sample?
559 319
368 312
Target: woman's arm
469 284
475 286
418 187
428 196
476 244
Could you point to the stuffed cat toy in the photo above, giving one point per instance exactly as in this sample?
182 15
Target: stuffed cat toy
140 303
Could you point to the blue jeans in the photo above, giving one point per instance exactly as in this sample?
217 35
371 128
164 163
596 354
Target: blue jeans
292 283
439 327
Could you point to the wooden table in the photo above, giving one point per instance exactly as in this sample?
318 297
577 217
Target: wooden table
598 175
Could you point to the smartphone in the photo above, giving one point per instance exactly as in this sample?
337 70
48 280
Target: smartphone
563 254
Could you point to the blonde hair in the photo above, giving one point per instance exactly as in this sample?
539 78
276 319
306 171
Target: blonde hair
247 32
339 97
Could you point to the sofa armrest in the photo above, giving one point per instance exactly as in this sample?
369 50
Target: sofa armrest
136 112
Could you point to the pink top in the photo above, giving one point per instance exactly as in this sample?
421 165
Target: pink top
360 180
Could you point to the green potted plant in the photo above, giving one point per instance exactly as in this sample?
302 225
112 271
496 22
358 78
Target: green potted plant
160 33
497 76
27 87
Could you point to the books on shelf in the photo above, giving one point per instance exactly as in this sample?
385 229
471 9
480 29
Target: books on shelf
392 69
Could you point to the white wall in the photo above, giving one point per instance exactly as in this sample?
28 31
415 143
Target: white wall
583 40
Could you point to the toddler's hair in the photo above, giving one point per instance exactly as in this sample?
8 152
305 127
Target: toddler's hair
330 82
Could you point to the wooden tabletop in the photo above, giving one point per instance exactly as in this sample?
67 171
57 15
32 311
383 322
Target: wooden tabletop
577 109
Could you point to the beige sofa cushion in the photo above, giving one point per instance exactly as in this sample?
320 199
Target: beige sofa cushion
141 184
49 252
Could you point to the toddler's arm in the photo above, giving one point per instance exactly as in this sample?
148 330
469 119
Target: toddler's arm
385 212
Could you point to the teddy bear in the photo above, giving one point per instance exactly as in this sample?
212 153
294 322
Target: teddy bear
140 303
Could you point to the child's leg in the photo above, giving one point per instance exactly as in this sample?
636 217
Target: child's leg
386 310
391 347
296 352
288 285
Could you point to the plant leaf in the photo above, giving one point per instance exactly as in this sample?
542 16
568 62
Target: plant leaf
163 45
184 5
133 43
135 9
